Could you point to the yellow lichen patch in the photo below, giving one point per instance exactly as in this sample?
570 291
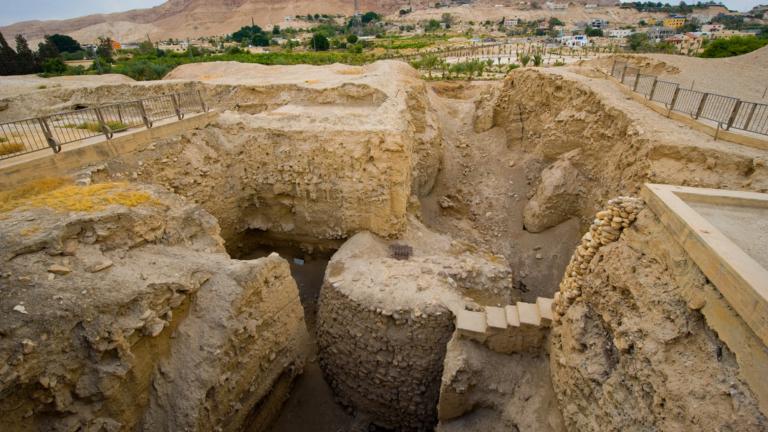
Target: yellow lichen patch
35 187
7 148
78 198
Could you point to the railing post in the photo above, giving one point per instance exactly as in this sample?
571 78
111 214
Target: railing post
637 80
120 113
653 87
202 101
144 116
701 105
613 67
749 117
623 71
732 118
104 128
176 106
55 146
674 99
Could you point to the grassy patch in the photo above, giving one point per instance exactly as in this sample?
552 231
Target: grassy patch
95 127
7 148
57 195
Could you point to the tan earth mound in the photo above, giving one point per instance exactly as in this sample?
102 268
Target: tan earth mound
122 311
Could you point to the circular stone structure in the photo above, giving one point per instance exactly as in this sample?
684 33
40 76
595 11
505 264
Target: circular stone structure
384 322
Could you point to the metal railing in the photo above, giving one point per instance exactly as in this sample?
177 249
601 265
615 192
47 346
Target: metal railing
52 131
728 112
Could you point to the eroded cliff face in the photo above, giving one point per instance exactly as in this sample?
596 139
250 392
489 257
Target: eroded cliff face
122 311
598 145
631 352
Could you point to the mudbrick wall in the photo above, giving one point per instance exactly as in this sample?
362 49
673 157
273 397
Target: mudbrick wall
383 323
386 365
627 350
121 311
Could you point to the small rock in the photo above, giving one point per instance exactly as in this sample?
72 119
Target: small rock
59 269
99 266
27 346
20 309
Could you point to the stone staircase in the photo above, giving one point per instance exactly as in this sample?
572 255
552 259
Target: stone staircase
521 327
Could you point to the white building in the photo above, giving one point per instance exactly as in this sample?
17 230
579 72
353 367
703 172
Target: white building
619 33
556 6
574 41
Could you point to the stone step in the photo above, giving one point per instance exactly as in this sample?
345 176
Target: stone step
545 310
529 314
496 317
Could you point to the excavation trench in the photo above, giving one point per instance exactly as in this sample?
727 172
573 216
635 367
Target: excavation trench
397 211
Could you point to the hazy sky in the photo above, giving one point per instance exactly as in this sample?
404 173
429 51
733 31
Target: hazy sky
21 10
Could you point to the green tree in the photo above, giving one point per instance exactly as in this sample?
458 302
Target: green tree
276 30
432 25
320 42
8 58
146 47
54 66
733 46
25 58
64 43
46 51
104 49
555 22
593 32
370 17
352 39
637 41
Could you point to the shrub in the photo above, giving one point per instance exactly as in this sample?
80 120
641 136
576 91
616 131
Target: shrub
734 46
352 39
319 42
524 59
144 70
54 66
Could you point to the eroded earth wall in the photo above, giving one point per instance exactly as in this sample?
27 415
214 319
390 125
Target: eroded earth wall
630 351
122 311
594 145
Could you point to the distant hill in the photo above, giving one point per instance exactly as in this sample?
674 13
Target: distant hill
192 18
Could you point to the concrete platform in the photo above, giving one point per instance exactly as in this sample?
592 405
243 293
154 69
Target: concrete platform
726 234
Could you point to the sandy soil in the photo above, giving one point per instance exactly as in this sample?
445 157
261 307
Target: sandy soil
486 185
744 76
24 84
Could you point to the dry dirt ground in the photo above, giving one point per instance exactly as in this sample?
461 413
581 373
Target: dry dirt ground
744 77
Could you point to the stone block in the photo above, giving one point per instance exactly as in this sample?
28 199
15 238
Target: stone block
471 323
545 310
529 314
496 317
513 318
